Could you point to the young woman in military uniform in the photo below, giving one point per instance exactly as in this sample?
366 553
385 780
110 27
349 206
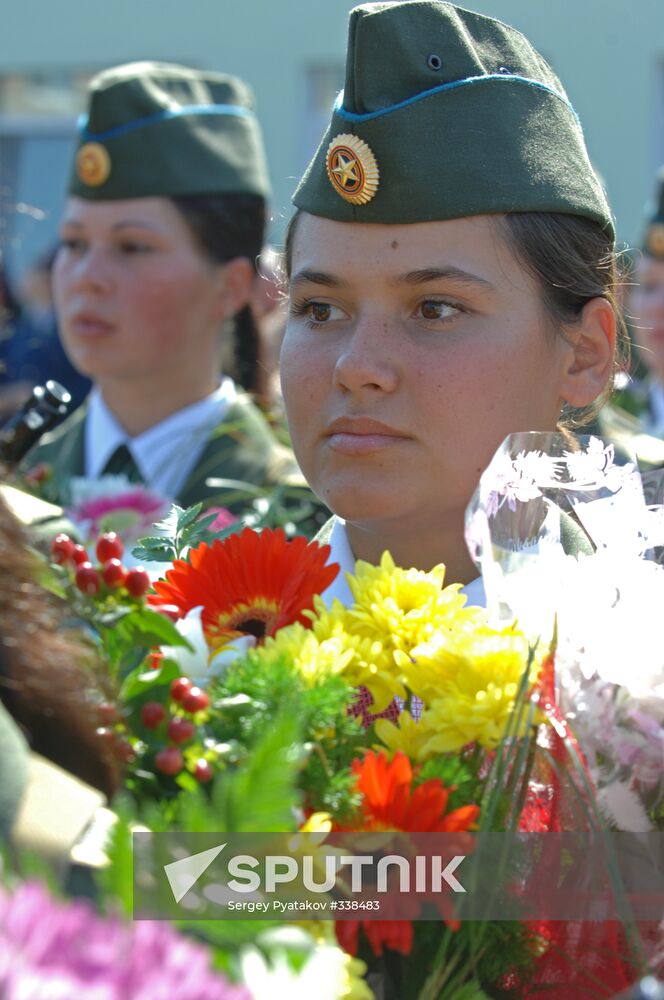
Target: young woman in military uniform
452 279
163 226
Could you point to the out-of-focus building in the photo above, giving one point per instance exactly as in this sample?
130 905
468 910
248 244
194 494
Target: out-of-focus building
609 54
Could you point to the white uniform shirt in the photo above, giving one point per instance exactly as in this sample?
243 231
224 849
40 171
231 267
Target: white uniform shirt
166 453
342 553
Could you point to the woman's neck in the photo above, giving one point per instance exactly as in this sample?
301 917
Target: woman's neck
412 547
138 406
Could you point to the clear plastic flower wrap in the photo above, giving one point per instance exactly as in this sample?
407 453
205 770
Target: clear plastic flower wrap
566 544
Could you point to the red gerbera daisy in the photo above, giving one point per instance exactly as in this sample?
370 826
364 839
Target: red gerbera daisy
249 584
391 803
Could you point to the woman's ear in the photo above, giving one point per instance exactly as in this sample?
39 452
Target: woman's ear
589 358
236 279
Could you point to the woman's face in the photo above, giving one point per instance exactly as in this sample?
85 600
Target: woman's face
410 352
646 312
135 296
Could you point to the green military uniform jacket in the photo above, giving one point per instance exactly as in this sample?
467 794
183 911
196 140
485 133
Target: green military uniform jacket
242 448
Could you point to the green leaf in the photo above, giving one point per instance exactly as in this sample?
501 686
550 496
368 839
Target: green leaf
154 629
140 679
261 795
188 516
154 548
117 879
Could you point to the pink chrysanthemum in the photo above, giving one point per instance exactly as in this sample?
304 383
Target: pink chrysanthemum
51 950
130 513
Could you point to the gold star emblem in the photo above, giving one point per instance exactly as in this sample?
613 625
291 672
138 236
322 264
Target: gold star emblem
93 164
352 169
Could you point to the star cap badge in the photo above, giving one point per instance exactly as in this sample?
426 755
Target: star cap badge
93 164
352 169
655 240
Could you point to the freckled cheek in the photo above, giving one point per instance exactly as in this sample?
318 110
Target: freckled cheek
304 373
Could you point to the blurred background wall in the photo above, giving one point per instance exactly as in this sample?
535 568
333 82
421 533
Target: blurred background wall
609 54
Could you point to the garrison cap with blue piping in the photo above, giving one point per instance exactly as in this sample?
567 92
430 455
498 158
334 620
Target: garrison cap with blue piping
653 238
444 114
156 129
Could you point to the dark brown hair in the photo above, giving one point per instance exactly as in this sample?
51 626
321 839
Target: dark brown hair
226 226
44 684
574 261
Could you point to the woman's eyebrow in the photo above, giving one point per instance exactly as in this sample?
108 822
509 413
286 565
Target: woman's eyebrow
134 224
318 278
425 275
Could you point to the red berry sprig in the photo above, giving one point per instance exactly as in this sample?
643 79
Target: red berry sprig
87 579
79 555
180 687
62 549
195 700
203 771
114 573
152 714
180 730
169 761
109 574
109 546
137 582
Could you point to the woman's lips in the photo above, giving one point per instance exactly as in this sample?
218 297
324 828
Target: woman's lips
88 325
362 444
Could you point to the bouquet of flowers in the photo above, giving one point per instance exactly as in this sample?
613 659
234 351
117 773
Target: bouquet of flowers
241 701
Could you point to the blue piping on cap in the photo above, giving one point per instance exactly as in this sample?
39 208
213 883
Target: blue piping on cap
235 110
453 85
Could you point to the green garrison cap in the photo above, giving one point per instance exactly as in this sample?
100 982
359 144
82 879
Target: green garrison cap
155 129
653 238
445 114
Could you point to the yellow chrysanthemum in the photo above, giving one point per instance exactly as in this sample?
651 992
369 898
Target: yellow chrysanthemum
407 735
372 663
395 611
312 658
471 659
470 685
407 606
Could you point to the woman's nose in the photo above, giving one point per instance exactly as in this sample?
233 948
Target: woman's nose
91 270
364 362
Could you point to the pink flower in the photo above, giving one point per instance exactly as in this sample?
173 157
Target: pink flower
60 951
222 520
131 513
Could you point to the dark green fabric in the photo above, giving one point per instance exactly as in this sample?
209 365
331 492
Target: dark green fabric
197 152
13 770
242 448
493 145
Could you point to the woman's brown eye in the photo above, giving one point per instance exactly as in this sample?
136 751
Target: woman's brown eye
431 310
320 312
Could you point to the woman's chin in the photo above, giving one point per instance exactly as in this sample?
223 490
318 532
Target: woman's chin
363 505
